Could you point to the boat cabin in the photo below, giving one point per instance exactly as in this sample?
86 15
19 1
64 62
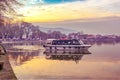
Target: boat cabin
65 42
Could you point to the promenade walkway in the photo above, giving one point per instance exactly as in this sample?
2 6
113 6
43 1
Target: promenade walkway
6 72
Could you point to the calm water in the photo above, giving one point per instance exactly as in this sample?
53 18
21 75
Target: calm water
32 62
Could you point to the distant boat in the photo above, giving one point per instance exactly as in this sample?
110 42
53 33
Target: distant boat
67 44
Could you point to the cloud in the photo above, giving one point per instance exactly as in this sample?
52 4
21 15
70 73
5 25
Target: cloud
71 10
31 2
113 7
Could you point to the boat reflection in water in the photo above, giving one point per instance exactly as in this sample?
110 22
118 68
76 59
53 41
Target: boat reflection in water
66 55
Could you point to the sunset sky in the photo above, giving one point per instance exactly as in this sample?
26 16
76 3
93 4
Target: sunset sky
60 10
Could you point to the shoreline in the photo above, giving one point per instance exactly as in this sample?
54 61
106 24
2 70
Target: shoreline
7 72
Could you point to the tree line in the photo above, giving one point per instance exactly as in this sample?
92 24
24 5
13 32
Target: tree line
27 31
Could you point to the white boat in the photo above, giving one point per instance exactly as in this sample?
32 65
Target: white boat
73 44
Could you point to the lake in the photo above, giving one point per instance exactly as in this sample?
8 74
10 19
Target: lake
32 62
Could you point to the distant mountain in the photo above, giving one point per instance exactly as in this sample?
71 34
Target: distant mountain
63 30
104 25
95 19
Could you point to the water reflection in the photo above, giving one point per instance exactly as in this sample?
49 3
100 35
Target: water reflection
20 57
30 62
66 55
18 54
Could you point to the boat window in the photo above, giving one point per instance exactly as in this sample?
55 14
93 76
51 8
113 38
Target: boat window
81 42
69 42
75 42
65 42
54 42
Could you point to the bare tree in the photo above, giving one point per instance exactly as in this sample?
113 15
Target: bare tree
8 6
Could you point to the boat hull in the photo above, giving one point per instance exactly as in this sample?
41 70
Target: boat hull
66 47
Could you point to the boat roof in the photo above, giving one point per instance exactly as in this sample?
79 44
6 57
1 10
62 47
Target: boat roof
65 40
54 40
51 39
